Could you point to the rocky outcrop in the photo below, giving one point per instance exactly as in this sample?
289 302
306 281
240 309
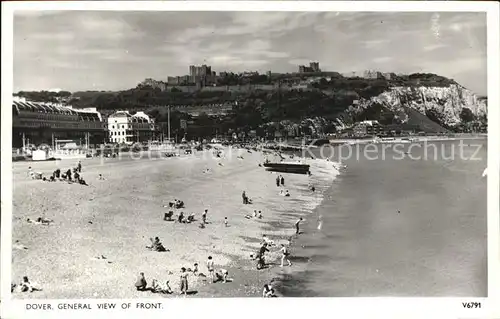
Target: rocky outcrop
443 105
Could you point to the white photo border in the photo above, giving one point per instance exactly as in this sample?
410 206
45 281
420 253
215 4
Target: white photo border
277 307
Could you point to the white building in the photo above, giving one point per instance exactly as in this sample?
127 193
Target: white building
126 128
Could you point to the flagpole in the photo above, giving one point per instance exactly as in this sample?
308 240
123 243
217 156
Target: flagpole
169 123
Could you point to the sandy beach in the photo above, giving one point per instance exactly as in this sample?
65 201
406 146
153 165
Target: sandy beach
116 217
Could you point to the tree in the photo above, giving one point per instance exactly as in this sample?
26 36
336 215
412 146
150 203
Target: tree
466 115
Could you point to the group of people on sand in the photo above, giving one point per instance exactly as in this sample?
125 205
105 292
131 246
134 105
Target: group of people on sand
24 286
40 221
156 245
70 175
264 247
256 214
214 276
175 205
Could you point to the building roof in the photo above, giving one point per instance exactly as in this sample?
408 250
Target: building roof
46 108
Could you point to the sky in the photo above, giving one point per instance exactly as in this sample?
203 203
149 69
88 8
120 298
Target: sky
112 50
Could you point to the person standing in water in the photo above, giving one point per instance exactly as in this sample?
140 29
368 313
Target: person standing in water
297 227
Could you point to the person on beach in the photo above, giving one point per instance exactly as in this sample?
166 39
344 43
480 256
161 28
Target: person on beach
204 217
210 268
225 222
100 177
284 255
259 214
27 286
297 227
195 269
254 213
278 181
287 194
222 275
68 174
180 218
268 291
184 281
156 287
30 172
156 245
79 166
244 198
282 181
266 240
190 218
141 282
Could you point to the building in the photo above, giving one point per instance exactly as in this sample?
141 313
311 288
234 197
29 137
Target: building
154 84
125 128
369 74
313 67
365 128
43 123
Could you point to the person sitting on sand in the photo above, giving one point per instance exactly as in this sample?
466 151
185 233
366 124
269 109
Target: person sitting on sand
157 287
268 291
180 218
27 286
168 216
259 214
81 181
179 204
287 194
156 245
76 176
40 221
141 282
190 218
100 177
222 275
68 175
248 216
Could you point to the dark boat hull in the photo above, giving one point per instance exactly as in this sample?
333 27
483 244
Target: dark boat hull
287 168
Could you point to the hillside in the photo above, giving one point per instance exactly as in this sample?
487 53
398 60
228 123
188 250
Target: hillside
434 103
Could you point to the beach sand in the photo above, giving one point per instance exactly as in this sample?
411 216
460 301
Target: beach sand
126 209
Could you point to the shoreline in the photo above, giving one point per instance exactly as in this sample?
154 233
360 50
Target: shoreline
230 251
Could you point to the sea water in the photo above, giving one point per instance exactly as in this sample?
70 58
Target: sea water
410 226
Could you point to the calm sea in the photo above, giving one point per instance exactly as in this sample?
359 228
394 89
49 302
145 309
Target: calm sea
414 226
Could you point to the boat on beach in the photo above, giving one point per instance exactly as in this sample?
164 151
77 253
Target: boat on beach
282 167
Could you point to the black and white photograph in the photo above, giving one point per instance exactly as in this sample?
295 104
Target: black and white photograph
234 153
